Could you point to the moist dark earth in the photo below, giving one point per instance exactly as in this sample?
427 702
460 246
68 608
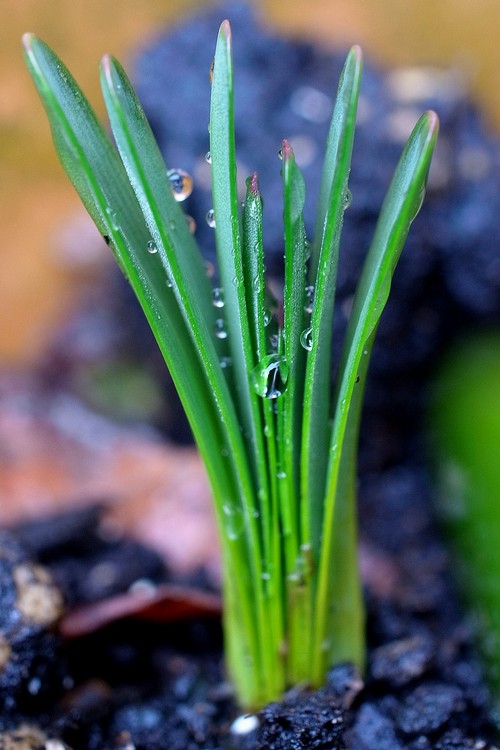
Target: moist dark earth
141 684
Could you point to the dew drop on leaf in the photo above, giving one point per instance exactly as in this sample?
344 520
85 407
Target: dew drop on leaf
220 331
217 297
181 183
210 217
270 376
233 521
280 154
347 199
309 293
152 247
208 157
191 224
306 339
267 317
417 204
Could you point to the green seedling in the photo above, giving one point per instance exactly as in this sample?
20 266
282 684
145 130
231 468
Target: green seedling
278 441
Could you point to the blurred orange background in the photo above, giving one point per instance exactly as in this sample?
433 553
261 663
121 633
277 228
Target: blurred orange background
37 204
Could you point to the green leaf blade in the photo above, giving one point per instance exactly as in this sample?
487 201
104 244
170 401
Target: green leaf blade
324 262
403 200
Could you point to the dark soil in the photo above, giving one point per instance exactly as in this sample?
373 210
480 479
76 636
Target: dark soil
136 683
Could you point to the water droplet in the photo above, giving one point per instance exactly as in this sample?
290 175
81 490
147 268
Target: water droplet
267 317
281 475
210 217
233 521
208 157
113 218
181 183
244 724
267 430
347 199
274 341
270 376
168 282
217 297
191 224
306 339
417 205
225 362
266 576
220 331
152 247
280 154
309 292
235 281
256 283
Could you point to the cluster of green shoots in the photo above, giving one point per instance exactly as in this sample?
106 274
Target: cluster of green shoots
278 439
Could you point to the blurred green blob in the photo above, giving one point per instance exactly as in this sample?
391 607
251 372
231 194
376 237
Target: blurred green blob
465 425
122 390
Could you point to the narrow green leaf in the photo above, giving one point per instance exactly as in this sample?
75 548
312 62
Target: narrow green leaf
293 313
254 285
324 261
402 203
229 252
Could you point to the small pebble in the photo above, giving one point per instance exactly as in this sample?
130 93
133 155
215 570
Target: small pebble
429 708
403 660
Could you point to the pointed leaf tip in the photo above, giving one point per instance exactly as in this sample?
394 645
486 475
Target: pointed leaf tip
432 119
225 29
286 150
254 184
27 39
357 52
